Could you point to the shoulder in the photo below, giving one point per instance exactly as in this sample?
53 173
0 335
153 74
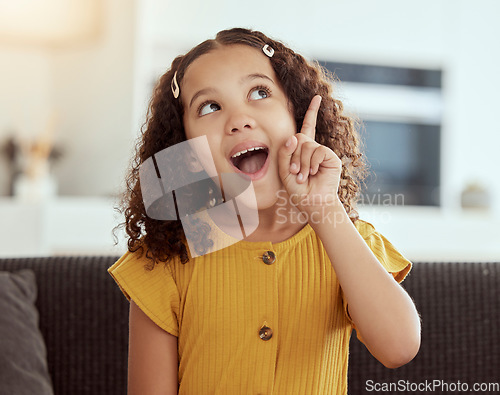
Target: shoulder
138 264
154 290
136 276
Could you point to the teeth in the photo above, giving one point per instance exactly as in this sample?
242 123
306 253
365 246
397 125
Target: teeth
245 151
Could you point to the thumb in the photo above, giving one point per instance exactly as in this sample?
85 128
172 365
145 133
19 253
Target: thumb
285 155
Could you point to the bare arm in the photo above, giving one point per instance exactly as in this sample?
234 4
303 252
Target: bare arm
383 312
153 360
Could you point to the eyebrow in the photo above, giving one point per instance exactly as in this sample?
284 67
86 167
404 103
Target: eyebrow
199 93
213 90
255 76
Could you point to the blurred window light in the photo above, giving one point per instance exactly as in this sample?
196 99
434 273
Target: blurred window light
49 22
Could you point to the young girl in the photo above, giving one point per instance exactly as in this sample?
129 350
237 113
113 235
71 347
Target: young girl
272 313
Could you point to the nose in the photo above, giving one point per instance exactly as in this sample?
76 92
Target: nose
239 121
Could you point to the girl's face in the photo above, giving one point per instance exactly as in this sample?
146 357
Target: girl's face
232 96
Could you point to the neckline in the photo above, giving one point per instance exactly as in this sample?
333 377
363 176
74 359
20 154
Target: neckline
297 237
305 231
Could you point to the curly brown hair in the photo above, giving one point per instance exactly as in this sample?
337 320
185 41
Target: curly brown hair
300 80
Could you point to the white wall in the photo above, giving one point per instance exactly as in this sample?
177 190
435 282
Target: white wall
93 92
382 31
89 85
25 95
472 83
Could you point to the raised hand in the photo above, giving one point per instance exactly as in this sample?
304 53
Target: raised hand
309 171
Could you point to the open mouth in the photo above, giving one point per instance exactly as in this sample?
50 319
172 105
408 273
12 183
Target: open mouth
250 161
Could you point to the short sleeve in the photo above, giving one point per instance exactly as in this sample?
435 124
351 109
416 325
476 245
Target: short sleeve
390 258
154 291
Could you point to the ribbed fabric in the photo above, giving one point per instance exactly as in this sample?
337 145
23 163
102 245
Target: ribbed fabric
217 303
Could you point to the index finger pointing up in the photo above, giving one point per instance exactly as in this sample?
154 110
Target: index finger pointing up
309 124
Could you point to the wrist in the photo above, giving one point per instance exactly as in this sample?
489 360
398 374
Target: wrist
310 203
326 216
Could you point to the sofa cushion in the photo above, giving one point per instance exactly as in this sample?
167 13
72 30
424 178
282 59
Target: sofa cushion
23 365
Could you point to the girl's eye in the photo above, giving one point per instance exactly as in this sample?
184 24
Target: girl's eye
259 93
207 108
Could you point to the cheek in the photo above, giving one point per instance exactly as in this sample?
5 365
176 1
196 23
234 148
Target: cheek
215 157
286 124
206 148
190 132
187 129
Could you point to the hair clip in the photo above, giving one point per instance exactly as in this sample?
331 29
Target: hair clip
175 86
269 51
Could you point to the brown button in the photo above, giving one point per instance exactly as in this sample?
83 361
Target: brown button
269 257
265 333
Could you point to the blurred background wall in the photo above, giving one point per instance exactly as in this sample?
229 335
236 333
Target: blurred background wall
82 90
85 83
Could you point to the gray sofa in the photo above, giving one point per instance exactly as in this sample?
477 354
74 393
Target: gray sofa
83 320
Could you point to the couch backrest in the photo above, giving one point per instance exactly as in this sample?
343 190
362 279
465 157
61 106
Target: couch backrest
84 320
459 305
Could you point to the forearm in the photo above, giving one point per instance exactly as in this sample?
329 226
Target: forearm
383 312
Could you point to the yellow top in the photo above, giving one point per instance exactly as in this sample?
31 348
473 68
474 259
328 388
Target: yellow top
250 327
